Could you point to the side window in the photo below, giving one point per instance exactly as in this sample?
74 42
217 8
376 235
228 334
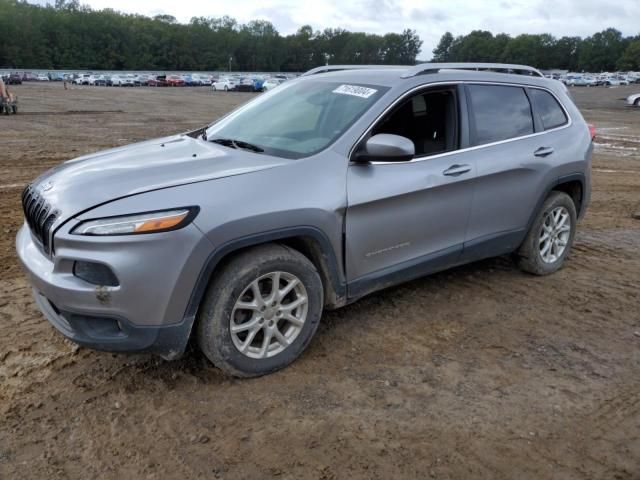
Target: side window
428 119
500 112
548 108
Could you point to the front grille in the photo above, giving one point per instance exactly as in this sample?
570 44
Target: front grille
39 215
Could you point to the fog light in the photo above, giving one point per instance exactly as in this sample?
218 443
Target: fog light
95 273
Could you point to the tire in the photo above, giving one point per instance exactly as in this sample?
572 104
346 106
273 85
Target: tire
637 102
15 109
531 254
226 89
232 285
213 87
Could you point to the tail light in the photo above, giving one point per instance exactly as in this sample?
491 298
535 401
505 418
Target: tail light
592 131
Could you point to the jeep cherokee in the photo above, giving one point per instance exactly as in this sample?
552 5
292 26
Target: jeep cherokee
342 182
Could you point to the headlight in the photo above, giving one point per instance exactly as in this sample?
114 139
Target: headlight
151 222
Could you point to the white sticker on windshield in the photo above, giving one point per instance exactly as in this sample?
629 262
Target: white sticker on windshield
355 90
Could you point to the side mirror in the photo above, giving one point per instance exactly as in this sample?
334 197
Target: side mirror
385 147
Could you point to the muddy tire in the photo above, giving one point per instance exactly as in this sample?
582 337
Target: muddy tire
15 109
248 328
550 238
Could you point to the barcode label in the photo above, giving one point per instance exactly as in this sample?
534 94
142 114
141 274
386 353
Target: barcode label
355 90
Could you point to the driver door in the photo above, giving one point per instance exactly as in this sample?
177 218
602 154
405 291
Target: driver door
406 219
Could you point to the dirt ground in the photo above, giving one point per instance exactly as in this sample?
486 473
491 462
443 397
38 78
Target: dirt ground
478 372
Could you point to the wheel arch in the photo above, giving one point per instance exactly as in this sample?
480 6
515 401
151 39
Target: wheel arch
570 184
574 187
309 241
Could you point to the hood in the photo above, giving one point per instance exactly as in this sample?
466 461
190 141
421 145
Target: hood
91 180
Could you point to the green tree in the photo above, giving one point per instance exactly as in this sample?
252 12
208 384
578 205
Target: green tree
601 51
441 52
630 59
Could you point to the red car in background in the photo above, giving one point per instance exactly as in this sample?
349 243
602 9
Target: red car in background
159 81
175 81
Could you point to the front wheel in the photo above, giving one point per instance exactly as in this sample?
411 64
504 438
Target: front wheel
549 240
261 311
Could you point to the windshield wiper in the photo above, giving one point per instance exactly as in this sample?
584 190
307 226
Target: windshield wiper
231 143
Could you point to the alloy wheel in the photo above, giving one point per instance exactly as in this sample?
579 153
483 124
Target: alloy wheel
555 234
269 315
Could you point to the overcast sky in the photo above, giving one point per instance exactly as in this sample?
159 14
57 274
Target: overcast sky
429 18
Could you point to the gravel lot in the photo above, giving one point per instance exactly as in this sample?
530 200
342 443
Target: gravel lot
478 372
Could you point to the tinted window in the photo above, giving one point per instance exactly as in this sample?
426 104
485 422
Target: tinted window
548 108
500 112
428 119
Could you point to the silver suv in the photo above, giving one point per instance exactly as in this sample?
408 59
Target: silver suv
342 182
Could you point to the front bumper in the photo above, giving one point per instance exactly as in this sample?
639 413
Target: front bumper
144 312
112 334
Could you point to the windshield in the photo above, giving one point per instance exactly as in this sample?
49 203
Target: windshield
299 119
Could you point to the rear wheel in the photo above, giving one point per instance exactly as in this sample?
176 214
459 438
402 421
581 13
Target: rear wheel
226 89
637 102
261 311
549 240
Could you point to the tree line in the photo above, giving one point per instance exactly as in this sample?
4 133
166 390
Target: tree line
68 35
604 51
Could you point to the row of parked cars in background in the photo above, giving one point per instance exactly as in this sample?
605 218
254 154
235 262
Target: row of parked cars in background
142 80
241 83
601 79
221 82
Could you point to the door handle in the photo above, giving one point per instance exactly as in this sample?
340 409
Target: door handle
455 170
543 151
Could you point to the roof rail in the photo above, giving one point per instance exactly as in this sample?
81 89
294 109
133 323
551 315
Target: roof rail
337 68
426 68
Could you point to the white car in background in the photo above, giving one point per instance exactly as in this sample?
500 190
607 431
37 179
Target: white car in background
97 79
270 84
611 81
42 78
225 84
578 81
82 79
634 100
123 80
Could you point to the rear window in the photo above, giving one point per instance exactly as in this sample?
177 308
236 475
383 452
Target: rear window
500 113
548 108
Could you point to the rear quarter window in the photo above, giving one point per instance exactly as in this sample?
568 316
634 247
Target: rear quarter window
499 113
548 109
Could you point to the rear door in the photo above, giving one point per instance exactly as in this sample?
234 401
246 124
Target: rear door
514 159
404 218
